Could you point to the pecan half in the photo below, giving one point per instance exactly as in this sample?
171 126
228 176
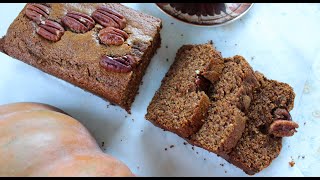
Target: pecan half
109 18
78 22
50 30
37 12
112 36
202 83
121 64
283 128
281 113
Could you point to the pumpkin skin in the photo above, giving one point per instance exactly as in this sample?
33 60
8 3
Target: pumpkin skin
41 140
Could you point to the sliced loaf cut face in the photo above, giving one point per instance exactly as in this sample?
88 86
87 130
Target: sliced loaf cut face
230 99
257 147
181 103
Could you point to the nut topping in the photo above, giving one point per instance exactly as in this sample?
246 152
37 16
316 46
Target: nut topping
50 30
112 36
109 18
37 12
202 83
78 22
118 64
283 128
281 113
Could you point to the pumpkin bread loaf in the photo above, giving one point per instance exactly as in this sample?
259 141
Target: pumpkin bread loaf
245 118
103 48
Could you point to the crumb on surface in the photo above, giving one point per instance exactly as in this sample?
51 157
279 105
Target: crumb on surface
185 143
165 149
181 34
166 46
102 144
204 159
292 163
172 23
192 148
167 59
171 146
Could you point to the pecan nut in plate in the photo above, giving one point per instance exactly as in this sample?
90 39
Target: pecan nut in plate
109 18
78 22
112 36
37 12
50 30
121 64
283 128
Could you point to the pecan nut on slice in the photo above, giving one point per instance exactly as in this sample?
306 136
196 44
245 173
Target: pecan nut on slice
282 126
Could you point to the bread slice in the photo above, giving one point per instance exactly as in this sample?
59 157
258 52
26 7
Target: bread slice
230 100
257 147
179 105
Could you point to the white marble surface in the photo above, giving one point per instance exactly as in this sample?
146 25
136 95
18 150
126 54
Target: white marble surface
279 40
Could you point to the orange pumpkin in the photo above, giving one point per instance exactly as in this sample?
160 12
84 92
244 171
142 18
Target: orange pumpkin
40 140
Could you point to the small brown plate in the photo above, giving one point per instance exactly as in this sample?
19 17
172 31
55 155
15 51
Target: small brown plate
206 14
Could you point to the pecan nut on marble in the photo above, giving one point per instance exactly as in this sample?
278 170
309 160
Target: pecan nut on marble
112 36
50 30
109 18
37 12
121 64
78 22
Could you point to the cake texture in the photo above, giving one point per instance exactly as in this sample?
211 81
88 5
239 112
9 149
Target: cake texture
244 115
181 104
258 145
102 48
230 99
